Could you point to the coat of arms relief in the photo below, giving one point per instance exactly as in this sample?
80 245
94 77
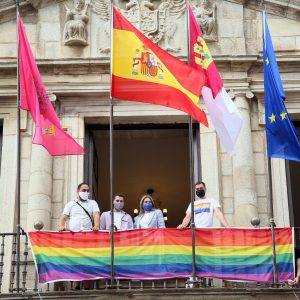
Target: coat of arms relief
159 20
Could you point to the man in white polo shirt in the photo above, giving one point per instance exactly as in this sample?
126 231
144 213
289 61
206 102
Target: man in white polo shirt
204 210
82 213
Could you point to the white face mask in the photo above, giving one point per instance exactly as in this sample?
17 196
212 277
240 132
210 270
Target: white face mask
84 195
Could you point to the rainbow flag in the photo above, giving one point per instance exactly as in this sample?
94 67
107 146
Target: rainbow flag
241 254
244 254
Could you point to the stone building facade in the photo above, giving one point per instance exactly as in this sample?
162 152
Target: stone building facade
71 43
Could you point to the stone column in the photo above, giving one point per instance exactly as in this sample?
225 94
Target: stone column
245 198
40 188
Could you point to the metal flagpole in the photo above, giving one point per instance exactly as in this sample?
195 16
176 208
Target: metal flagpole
192 175
272 222
192 196
111 164
18 201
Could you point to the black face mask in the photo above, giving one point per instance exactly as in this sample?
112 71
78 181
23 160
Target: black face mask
200 193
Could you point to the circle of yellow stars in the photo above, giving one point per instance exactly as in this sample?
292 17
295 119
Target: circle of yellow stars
273 117
283 114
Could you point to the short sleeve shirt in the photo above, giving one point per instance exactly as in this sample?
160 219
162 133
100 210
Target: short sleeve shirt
79 220
204 211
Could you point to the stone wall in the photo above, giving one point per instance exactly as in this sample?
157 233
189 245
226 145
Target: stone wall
78 76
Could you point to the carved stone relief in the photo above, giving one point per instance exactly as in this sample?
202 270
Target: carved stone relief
156 19
205 13
75 32
158 24
102 9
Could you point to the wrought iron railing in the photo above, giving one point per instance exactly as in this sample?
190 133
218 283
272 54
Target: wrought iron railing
28 278
9 240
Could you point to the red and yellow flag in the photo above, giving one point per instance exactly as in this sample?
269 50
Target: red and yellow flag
144 72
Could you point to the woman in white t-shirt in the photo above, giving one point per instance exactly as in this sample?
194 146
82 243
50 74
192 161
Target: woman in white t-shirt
149 217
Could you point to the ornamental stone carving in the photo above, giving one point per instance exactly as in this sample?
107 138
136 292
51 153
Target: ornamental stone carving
205 13
102 9
75 32
156 19
157 23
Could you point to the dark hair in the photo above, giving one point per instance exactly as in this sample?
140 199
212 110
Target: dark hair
81 184
200 182
119 195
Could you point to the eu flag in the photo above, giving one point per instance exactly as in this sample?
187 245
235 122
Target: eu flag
282 137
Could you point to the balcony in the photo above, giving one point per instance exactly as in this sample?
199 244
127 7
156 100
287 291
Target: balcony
22 282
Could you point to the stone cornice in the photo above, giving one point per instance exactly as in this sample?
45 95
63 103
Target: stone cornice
245 61
283 8
288 62
70 77
8 10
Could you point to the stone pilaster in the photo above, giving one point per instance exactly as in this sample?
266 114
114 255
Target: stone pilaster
210 161
40 188
245 198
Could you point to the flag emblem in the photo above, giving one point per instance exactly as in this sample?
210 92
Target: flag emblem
50 130
201 53
149 66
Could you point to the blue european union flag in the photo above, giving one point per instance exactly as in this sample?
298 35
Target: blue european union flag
282 136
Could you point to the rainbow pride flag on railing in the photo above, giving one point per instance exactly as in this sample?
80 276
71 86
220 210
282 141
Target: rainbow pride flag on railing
229 253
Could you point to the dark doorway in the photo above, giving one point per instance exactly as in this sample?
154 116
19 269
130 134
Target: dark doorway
147 158
293 175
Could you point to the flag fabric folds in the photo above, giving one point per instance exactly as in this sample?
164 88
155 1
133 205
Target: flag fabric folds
144 72
223 112
33 98
227 253
282 136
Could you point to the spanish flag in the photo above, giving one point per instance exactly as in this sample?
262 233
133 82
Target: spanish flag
144 72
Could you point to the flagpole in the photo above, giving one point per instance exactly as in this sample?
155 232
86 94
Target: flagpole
272 221
111 164
192 175
272 224
18 187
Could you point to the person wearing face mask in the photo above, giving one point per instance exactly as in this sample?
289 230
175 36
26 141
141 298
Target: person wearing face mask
122 220
82 213
149 217
204 209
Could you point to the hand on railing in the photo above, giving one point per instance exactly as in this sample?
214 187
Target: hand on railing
293 282
61 228
95 228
